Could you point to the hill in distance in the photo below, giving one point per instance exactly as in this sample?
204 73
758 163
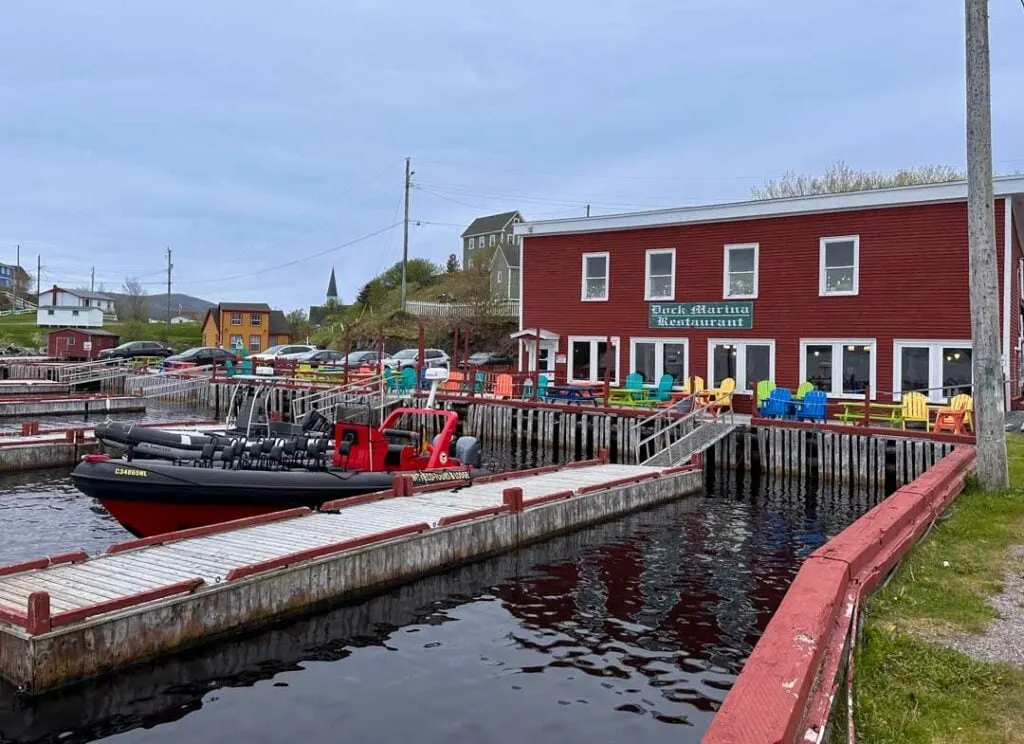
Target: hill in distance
181 304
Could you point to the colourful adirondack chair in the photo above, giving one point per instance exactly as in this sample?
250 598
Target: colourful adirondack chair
390 381
480 381
407 380
764 389
805 387
527 389
777 405
964 402
664 390
503 386
915 409
720 398
813 406
542 387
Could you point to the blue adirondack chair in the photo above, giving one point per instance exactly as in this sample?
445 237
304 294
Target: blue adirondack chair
777 405
408 381
478 383
813 406
542 387
664 389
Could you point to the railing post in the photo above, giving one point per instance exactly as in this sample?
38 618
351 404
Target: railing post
867 405
607 367
513 498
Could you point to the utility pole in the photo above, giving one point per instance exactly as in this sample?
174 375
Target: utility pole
989 404
588 210
92 279
405 232
17 276
169 267
39 275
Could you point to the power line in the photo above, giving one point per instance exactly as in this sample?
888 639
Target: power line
594 176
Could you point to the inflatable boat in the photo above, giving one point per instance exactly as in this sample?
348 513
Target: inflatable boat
245 477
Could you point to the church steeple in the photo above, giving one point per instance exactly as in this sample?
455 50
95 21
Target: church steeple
332 288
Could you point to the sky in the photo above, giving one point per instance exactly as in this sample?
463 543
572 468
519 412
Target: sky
264 142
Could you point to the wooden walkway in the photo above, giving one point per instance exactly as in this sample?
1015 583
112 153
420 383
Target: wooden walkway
65 596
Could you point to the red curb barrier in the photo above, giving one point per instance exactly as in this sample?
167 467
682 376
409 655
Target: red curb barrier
488 511
112 605
74 557
627 481
785 688
251 569
24 566
517 474
688 468
366 498
210 529
548 498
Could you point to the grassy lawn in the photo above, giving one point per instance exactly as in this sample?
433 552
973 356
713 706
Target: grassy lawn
22 331
910 688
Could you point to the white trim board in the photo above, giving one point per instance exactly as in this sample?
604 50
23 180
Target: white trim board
765 208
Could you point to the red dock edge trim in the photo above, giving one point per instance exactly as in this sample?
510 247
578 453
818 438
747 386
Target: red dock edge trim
488 511
38 563
627 481
323 550
209 529
366 498
548 498
517 474
112 605
783 692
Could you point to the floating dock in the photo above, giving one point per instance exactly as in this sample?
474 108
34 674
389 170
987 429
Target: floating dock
35 449
71 617
23 388
76 405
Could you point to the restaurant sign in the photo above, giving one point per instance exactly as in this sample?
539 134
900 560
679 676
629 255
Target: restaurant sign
709 315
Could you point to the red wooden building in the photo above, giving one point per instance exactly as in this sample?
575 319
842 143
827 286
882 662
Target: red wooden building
845 290
79 344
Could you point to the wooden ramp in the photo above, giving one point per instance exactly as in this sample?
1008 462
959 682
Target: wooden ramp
65 596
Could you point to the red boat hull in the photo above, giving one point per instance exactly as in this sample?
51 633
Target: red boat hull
146 518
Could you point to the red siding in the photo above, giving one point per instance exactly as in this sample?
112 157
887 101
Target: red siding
1015 304
912 283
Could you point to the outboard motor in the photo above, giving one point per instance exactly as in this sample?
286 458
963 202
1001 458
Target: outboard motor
467 451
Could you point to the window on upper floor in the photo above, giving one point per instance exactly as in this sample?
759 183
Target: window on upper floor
740 281
493 239
255 319
236 319
661 274
839 266
472 243
595 276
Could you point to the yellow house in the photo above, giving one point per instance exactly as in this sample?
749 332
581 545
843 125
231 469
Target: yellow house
249 325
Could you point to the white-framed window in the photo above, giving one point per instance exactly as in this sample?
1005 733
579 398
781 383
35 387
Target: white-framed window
660 278
595 277
236 319
587 359
254 343
492 239
747 361
255 319
840 367
839 266
740 267
936 369
472 243
236 341
654 357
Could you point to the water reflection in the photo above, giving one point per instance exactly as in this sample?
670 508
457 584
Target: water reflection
632 630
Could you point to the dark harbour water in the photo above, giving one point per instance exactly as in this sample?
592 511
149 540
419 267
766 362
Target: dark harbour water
628 631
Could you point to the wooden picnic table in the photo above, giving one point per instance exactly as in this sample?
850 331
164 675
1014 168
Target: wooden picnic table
573 393
853 410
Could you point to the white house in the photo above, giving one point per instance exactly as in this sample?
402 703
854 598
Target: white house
70 316
60 297
176 320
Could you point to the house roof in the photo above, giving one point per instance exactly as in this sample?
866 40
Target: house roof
83 293
509 252
765 208
490 223
255 307
279 323
85 331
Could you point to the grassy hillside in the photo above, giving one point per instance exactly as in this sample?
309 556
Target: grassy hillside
21 330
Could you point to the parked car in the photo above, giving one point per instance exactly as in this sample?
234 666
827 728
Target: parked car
201 356
133 349
282 351
409 358
371 357
487 359
320 356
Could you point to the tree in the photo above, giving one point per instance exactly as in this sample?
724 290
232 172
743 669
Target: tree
133 307
418 271
299 323
453 264
840 177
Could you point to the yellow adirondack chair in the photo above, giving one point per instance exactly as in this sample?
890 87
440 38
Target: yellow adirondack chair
720 398
693 385
964 402
915 408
